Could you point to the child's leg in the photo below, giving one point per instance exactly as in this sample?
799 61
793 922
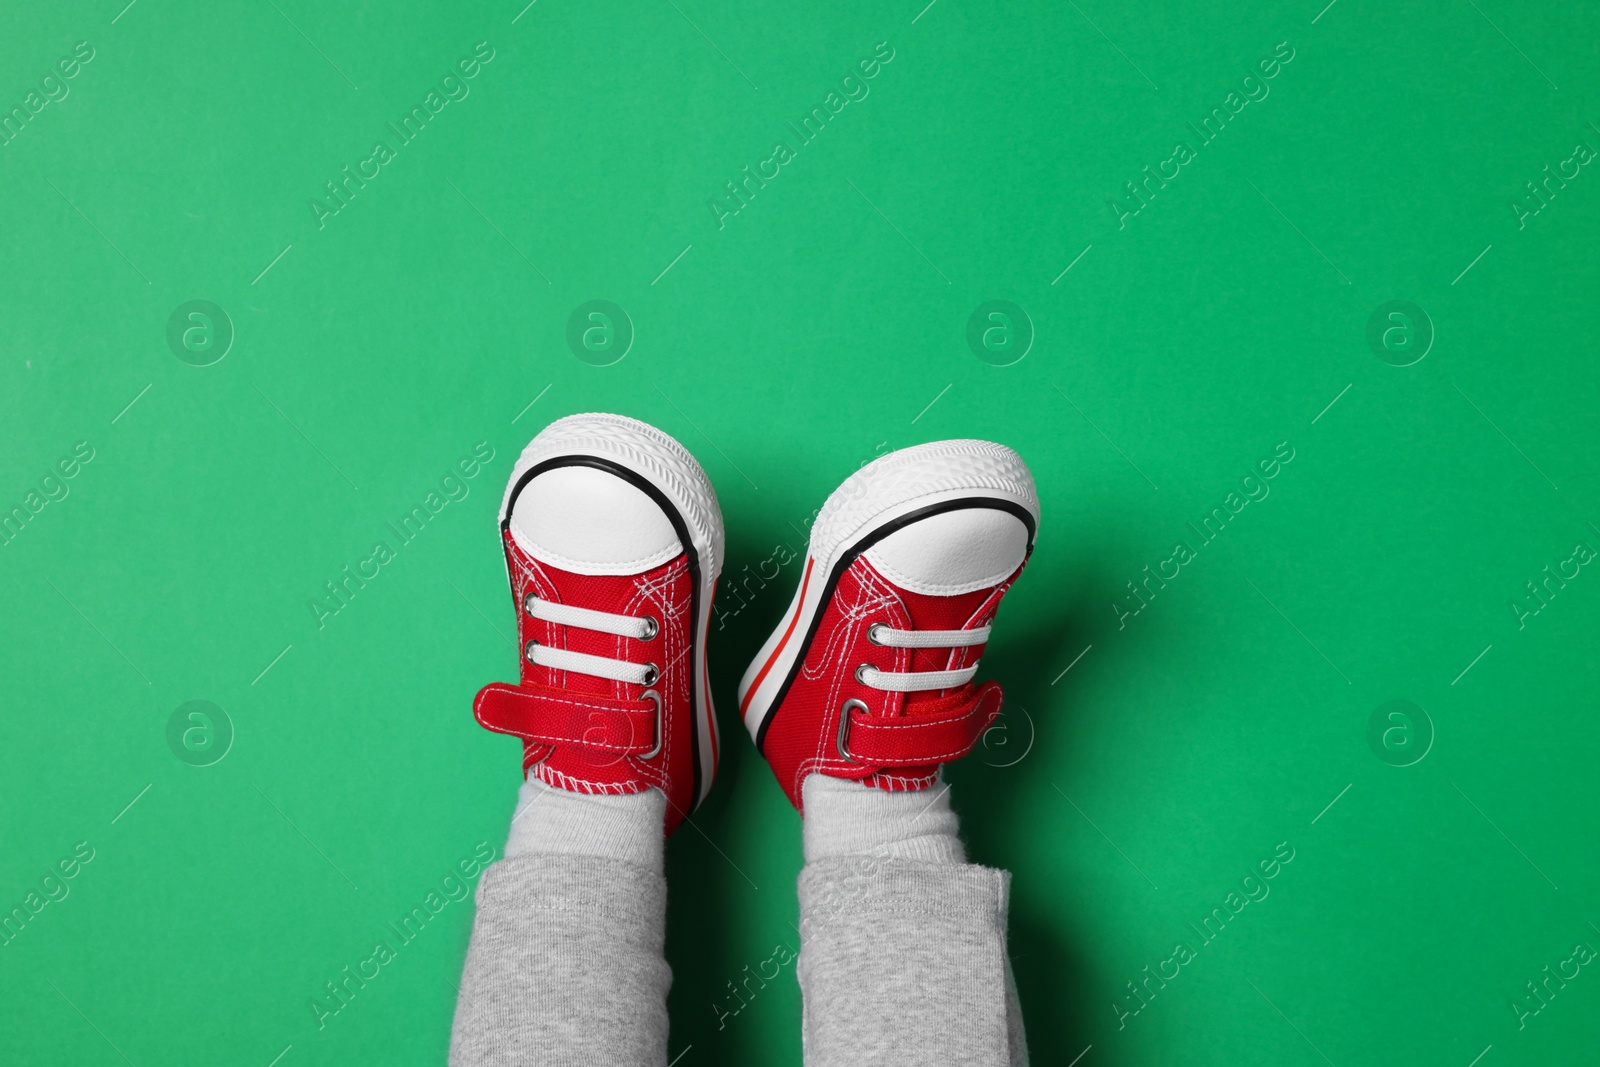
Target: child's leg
613 541
565 965
903 943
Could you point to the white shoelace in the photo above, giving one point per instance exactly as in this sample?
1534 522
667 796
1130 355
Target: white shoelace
617 670
920 681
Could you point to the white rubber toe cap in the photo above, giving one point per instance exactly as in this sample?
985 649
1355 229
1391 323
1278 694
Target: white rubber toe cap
917 477
953 552
588 521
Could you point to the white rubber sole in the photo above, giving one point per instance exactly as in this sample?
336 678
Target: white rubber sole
880 496
658 459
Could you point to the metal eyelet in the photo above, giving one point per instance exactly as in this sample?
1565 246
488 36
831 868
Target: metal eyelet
651 628
652 674
527 651
652 695
872 632
861 669
844 727
527 602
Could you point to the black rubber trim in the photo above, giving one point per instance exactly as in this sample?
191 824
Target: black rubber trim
861 546
679 526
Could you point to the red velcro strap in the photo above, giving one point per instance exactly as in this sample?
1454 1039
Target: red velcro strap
554 717
920 740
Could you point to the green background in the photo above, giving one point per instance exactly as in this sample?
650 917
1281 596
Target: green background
824 323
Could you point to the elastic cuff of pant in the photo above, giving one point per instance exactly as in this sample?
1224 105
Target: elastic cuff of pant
541 884
858 884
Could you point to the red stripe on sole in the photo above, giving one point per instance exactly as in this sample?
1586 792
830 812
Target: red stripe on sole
766 667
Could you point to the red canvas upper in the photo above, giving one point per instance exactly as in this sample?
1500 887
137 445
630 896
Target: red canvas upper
595 735
901 739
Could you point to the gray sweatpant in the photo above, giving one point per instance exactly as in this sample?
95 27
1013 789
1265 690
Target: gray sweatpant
901 962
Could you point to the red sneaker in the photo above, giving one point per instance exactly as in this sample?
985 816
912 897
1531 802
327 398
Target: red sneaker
869 675
613 543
